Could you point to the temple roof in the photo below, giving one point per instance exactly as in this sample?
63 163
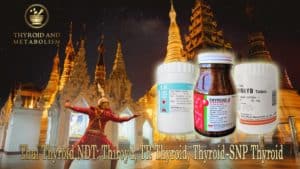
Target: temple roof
30 87
119 63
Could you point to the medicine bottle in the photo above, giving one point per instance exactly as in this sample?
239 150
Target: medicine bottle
175 84
257 86
214 95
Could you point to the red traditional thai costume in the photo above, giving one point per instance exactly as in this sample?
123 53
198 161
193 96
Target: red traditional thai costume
94 134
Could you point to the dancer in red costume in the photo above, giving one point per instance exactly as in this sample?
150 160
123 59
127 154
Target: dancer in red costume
94 134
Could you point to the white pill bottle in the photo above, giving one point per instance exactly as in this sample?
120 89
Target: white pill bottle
175 86
257 89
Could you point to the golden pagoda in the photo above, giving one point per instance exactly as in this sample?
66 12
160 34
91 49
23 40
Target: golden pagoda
174 48
203 31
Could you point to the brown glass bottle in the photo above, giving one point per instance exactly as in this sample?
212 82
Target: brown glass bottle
214 98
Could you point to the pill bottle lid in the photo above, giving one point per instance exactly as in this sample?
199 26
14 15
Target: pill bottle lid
218 57
176 67
269 70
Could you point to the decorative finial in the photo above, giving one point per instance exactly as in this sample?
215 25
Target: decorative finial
69 47
70 32
172 5
83 36
57 50
56 58
118 45
83 33
101 39
70 28
84 29
101 44
172 13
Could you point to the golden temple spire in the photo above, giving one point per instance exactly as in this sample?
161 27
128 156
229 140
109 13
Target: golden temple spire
119 63
100 73
101 51
53 82
70 32
55 67
68 63
174 48
118 84
69 47
83 38
172 13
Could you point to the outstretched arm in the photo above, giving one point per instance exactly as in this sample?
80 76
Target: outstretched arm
78 109
116 118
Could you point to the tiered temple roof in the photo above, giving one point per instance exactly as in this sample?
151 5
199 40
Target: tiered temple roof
203 31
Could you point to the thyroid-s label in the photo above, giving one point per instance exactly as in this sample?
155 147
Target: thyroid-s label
214 113
175 97
257 104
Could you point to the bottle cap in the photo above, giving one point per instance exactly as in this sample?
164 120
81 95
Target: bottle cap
215 57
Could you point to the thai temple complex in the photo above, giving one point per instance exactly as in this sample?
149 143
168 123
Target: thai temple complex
37 116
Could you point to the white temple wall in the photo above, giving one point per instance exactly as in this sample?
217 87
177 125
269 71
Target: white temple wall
23 128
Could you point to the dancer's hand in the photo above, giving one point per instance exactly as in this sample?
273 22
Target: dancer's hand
68 104
135 116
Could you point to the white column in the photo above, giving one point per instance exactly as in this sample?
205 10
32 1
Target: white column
23 128
2 136
138 132
63 127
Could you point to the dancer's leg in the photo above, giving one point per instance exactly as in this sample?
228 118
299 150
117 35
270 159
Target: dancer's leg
68 164
113 164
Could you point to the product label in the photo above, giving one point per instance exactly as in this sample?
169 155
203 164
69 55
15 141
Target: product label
214 113
175 97
256 106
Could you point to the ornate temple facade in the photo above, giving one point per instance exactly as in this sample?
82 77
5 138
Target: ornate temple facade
203 31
